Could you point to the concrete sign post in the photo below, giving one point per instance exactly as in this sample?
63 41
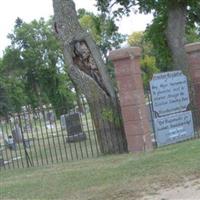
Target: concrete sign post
169 92
174 128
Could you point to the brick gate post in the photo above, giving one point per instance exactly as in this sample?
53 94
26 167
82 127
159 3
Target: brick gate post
132 100
193 53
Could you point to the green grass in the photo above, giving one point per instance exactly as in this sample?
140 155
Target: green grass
116 177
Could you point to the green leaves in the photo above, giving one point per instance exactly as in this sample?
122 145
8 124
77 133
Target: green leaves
34 67
148 64
155 32
34 60
103 30
148 60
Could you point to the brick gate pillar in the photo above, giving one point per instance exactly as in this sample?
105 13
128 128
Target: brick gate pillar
193 52
132 100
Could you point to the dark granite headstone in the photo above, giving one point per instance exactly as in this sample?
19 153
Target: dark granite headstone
72 123
1 162
50 116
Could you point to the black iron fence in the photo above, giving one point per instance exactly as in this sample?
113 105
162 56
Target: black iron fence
41 136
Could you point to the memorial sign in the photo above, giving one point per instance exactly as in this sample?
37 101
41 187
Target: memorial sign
169 92
174 128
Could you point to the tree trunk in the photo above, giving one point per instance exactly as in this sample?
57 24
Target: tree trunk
87 70
175 34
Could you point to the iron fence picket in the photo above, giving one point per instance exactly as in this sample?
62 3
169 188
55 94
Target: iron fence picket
11 152
44 142
38 139
64 141
33 140
88 130
47 136
4 148
16 154
58 137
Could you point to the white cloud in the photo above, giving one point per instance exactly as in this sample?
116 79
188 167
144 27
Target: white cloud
135 22
34 9
25 9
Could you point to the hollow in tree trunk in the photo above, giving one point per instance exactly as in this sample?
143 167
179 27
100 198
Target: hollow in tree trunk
87 71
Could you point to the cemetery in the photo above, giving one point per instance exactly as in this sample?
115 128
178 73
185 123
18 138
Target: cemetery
88 111
49 140
27 140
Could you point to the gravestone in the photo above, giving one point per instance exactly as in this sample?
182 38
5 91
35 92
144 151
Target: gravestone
169 92
28 125
50 116
16 133
17 136
63 122
72 123
50 119
1 161
1 135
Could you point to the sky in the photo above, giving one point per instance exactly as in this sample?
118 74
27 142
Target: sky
29 10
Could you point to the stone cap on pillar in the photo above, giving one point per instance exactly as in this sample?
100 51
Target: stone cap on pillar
130 52
192 47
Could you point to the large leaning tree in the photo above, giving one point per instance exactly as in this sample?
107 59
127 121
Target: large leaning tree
171 19
88 72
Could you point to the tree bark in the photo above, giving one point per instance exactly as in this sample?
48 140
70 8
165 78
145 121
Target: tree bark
175 34
87 71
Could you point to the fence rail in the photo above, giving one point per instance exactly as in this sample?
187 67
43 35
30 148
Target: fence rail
40 136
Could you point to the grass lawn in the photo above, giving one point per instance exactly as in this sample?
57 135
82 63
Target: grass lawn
116 177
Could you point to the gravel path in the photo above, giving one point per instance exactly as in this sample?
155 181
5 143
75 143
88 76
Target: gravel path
188 191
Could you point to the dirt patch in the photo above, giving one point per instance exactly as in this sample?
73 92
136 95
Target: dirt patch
189 190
